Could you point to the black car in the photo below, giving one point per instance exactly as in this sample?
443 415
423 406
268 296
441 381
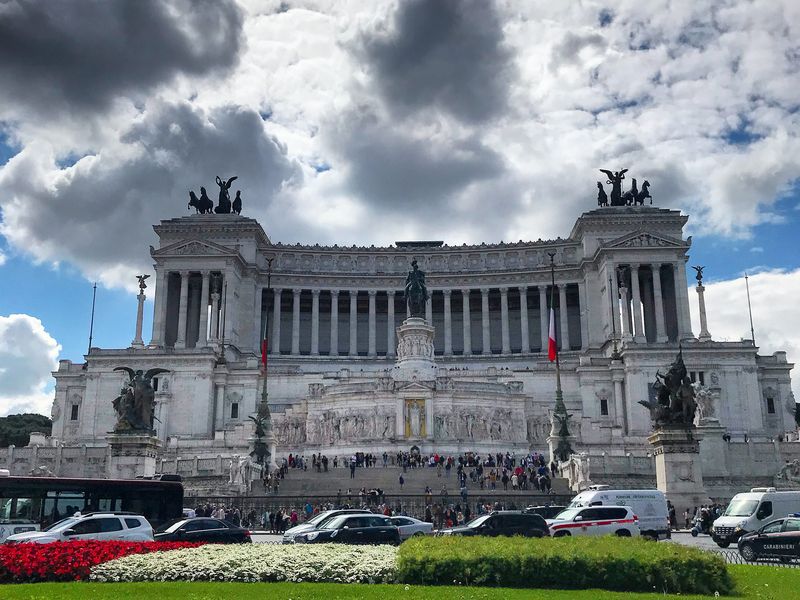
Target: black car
506 522
777 539
202 529
353 529
546 512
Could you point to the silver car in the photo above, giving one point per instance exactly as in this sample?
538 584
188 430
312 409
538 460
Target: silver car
410 527
317 520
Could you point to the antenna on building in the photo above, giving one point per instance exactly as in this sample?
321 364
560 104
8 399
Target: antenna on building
91 322
749 308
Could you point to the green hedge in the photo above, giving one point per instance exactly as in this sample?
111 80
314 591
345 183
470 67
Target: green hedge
609 563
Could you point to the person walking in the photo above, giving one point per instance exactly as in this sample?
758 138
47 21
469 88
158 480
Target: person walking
401 481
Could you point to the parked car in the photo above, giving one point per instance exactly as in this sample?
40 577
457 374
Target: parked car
317 520
505 522
125 526
750 511
202 529
546 512
777 539
650 506
353 529
409 527
596 520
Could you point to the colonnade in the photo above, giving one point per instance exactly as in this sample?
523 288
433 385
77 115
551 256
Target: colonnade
198 317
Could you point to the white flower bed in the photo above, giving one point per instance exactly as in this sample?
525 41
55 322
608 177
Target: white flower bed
336 563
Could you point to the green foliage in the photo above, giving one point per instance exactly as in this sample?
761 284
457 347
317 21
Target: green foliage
608 563
16 429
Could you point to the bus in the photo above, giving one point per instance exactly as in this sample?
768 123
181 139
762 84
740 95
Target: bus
32 503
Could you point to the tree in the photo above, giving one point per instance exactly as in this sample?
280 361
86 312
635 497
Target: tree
16 429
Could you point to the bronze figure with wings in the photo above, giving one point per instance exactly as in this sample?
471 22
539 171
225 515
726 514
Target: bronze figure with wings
134 406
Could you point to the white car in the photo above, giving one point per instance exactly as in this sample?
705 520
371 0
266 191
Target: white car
409 526
317 520
92 526
595 520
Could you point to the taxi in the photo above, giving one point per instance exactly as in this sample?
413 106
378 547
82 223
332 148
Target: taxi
777 539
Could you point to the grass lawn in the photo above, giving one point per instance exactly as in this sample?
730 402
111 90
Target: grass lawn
753 582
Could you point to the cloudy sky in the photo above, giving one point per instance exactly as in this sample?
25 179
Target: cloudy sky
368 122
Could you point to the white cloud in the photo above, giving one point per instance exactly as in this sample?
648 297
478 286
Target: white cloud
773 295
27 356
3 258
756 249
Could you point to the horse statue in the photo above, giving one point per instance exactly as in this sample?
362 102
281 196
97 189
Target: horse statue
202 207
615 179
134 406
416 294
629 197
675 404
237 203
643 194
224 204
602 197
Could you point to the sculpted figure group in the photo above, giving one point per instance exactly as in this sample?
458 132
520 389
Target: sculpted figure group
675 404
204 205
618 198
136 402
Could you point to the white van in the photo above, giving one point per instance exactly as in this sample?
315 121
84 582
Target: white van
751 510
650 506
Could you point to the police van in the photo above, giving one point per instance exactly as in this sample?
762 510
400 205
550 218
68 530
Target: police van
750 511
650 506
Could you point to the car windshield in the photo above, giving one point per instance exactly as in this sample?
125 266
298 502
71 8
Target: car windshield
318 518
170 526
333 523
478 521
567 515
62 524
741 507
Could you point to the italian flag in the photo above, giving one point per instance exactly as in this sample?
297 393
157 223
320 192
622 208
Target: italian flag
552 351
264 353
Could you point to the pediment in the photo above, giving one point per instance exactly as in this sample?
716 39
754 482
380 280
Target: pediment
414 386
645 239
193 248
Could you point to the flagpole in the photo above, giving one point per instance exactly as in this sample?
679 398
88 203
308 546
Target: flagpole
749 308
91 321
552 255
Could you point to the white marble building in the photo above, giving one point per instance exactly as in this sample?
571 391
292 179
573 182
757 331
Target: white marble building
333 314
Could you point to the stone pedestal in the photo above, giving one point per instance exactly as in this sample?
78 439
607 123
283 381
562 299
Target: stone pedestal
132 455
414 351
679 471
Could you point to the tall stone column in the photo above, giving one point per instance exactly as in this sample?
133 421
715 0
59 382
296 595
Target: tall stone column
584 311
159 308
619 400
466 323
137 338
296 321
523 319
627 335
334 323
214 337
448 324
704 334
638 333
563 316
275 346
315 322
487 342
505 335
258 331
180 342
429 309
544 326
371 349
353 323
682 302
390 324
202 339
658 303
613 271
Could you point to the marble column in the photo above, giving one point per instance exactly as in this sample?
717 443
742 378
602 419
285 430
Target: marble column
658 303
137 338
390 324
315 322
429 308
563 316
523 320
544 325
638 333
334 323
505 335
371 350
704 334
487 342
619 402
614 275
159 308
682 302
213 338
202 339
353 323
448 324
180 342
296 321
275 346
466 323
258 331
627 335
584 312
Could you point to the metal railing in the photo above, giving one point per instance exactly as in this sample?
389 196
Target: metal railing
733 557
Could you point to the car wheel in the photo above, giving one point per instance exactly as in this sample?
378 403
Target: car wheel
723 544
419 533
748 553
562 534
623 533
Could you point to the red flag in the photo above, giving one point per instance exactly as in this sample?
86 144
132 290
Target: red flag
264 352
552 351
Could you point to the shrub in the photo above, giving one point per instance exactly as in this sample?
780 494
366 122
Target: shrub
568 563
67 561
334 563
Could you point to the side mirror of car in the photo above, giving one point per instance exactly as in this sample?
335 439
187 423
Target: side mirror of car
578 518
69 532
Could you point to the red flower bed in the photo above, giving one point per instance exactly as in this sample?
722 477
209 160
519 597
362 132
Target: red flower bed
68 561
